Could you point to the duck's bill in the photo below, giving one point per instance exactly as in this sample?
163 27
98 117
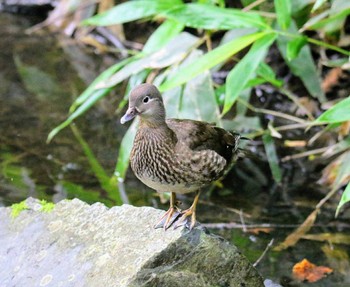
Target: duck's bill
129 115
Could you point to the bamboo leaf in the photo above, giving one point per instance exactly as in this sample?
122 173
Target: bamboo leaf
131 11
340 112
124 152
209 60
173 52
244 70
206 16
272 158
318 4
303 65
283 10
97 169
294 46
344 199
160 37
97 95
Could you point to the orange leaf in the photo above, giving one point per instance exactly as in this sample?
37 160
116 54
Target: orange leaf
306 271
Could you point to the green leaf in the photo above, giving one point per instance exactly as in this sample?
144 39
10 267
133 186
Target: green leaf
344 199
89 97
294 46
124 152
175 51
317 5
340 112
244 70
97 169
160 37
209 60
205 16
303 65
272 157
196 100
131 11
283 10
266 72
91 89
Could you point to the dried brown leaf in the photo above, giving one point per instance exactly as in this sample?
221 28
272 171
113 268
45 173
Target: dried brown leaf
335 238
294 237
307 271
331 79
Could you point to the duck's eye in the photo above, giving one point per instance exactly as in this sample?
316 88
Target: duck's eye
146 99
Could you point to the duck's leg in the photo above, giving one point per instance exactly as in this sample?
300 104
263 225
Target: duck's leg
189 212
171 215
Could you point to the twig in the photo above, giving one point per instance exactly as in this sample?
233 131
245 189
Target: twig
242 221
253 5
113 39
234 225
304 154
271 112
264 253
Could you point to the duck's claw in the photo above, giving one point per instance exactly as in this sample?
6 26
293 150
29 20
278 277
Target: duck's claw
188 219
168 218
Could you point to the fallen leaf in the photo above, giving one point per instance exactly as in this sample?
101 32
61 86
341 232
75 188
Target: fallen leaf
331 79
334 238
344 129
260 229
306 271
296 143
294 237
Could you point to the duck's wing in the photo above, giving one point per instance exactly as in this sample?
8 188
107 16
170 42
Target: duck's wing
200 136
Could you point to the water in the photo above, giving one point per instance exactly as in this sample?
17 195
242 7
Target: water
39 78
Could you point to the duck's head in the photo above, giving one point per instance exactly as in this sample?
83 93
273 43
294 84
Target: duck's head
146 102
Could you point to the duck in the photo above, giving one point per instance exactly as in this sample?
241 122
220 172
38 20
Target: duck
177 156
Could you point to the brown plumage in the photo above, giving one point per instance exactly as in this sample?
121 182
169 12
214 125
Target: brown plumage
173 155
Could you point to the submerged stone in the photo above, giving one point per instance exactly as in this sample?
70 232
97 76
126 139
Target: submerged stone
76 244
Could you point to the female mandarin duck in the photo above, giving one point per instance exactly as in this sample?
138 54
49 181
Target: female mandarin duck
176 156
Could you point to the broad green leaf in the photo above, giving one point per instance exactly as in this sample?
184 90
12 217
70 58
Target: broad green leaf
244 70
205 16
294 46
302 66
340 112
197 99
344 199
318 4
131 11
333 17
209 60
97 169
103 76
283 10
124 152
160 37
272 158
175 51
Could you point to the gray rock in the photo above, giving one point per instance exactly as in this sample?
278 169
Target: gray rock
76 244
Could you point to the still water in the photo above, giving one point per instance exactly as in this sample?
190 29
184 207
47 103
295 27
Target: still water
40 76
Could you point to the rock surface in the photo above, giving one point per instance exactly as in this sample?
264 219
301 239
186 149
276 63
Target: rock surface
76 244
